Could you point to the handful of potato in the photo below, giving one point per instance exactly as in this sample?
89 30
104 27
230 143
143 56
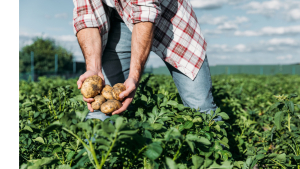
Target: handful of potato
108 101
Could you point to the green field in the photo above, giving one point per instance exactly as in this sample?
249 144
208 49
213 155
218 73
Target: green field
261 126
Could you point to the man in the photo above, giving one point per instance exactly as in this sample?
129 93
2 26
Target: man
116 38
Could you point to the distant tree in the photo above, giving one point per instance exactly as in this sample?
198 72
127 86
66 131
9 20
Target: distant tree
44 56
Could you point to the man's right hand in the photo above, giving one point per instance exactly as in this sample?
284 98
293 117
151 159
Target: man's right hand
81 80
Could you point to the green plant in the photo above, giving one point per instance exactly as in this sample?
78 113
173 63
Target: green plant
157 131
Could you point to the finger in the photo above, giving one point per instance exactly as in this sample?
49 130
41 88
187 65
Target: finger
127 92
125 103
102 77
80 81
90 107
89 100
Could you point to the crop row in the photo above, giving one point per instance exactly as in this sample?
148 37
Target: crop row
261 126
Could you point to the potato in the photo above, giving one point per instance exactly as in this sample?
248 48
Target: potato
99 100
110 106
117 90
120 85
92 86
106 92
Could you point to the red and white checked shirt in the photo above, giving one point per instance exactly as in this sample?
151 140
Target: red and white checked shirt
177 36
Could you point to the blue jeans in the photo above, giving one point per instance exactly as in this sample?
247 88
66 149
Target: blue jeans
116 57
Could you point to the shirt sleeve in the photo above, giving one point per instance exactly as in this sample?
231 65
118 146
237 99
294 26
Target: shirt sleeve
83 16
145 11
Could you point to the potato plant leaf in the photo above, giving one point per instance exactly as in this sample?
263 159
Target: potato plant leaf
171 164
197 161
39 139
64 167
28 128
153 150
172 103
204 141
188 124
224 115
278 119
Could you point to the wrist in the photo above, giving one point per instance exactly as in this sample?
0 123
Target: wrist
94 68
135 78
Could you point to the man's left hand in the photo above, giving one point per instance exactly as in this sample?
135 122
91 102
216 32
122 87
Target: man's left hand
131 85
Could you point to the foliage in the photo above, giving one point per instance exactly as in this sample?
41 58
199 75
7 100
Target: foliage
158 131
44 56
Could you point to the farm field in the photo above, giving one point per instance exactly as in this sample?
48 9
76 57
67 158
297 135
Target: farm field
261 126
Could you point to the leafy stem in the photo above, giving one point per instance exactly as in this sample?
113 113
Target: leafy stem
64 103
82 142
58 158
141 150
210 121
72 157
59 101
292 148
57 135
55 117
289 122
49 105
176 155
110 148
145 163
297 148
278 163
243 129
92 151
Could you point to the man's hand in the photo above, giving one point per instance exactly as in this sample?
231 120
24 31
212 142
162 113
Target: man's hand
142 37
81 80
131 85
90 43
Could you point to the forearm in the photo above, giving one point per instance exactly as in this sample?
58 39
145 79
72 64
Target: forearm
90 43
142 36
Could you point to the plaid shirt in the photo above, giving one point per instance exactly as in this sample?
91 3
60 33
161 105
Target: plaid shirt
177 36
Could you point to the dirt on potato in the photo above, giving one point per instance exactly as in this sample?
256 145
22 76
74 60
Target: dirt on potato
106 92
110 106
99 100
117 90
120 85
92 86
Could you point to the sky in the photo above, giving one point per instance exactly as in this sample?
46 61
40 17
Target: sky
238 32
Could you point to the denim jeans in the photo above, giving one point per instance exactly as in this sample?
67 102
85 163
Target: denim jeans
116 57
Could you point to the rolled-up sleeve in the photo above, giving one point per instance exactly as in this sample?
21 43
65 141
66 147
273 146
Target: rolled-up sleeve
83 16
145 11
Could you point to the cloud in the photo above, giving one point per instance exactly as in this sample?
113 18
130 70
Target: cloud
265 8
213 4
286 57
61 15
293 15
228 26
233 24
208 4
286 9
66 38
270 31
222 22
285 41
209 19
274 46
208 32
241 48
224 48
